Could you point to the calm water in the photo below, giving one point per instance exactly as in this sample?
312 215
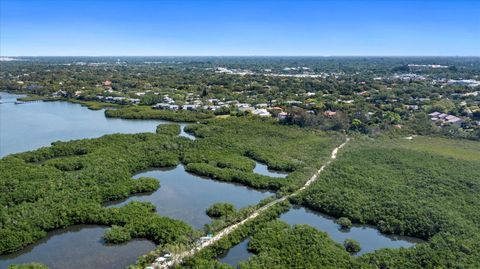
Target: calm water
262 169
79 247
185 196
370 239
37 124
182 195
237 254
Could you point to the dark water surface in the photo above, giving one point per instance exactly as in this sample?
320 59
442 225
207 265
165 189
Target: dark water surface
77 247
32 125
369 237
237 254
262 169
185 196
181 196
36 124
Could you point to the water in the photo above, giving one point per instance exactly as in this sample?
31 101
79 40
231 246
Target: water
185 134
262 169
237 254
37 124
185 196
79 247
369 237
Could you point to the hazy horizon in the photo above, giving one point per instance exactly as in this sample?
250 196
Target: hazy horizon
240 28
252 56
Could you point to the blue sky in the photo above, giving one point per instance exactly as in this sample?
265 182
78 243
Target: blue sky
262 27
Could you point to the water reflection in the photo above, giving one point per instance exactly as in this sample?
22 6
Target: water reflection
79 247
263 169
185 134
237 254
38 124
186 196
369 237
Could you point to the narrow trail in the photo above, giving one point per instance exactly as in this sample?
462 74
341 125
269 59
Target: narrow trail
177 258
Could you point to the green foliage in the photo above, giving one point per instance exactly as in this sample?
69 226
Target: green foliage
352 246
428 191
67 184
139 112
117 234
227 147
280 246
208 256
33 265
168 129
218 210
344 222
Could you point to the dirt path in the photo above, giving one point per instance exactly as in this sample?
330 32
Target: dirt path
177 258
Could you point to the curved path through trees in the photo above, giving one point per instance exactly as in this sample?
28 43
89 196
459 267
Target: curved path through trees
178 257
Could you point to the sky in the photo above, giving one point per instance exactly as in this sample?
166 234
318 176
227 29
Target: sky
235 27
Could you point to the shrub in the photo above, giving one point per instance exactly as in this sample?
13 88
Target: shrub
218 210
351 246
344 222
33 265
117 234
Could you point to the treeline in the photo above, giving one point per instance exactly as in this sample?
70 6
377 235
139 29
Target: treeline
144 113
408 192
67 183
228 147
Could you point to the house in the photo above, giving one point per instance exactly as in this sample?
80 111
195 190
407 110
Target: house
135 101
363 93
329 113
282 115
212 108
160 260
239 105
190 107
245 109
59 93
412 107
293 102
262 105
161 106
167 99
213 101
261 112
277 109
442 118
107 83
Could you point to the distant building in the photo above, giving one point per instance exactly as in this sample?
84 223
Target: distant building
282 115
329 113
261 112
442 119
293 102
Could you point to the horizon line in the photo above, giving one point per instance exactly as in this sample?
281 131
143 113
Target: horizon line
253 55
